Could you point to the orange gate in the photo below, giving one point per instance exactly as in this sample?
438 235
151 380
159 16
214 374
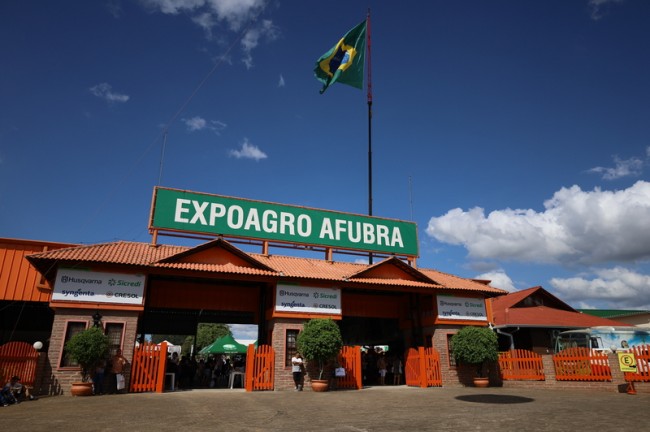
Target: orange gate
350 359
519 364
148 368
18 358
581 364
260 368
423 367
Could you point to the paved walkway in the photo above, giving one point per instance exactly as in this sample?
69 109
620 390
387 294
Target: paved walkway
373 409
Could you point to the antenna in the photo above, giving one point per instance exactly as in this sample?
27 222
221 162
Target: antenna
411 196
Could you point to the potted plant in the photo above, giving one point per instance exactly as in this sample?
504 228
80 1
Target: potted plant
320 340
476 346
86 348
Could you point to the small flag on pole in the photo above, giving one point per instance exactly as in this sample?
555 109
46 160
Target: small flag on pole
344 63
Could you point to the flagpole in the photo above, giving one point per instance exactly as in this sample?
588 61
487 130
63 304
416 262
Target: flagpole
369 86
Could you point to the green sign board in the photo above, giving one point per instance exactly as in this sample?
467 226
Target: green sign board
201 213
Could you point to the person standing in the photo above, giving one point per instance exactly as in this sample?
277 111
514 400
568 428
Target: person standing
98 378
381 368
118 365
397 371
296 369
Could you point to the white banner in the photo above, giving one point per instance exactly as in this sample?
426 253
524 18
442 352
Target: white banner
98 287
461 308
300 299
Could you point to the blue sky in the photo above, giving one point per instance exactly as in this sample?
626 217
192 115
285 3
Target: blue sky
515 133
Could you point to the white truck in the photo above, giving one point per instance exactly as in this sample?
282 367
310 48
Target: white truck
603 338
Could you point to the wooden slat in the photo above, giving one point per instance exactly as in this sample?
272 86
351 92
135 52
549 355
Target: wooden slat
18 358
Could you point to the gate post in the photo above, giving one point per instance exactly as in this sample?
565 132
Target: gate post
423 368
250 367
162 367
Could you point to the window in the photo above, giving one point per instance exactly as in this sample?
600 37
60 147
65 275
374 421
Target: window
290 346
114 332
72 328
450 351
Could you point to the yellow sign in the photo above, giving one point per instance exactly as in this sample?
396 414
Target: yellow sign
627 362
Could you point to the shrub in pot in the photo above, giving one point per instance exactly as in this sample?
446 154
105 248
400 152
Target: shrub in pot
87 348
320 340
475 346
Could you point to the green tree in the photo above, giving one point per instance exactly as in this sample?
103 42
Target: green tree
320 340
175 339
206 333
87 348
475 346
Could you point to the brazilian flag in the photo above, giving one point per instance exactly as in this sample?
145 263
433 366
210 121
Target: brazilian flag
344 62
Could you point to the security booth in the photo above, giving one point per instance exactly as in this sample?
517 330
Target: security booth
133 289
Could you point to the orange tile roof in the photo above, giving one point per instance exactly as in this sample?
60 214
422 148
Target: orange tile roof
279 267
510 311
543 316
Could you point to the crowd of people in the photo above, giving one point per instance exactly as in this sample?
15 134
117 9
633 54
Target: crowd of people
213 371
379 368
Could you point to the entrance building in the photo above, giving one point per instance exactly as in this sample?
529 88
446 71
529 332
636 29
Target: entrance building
133 289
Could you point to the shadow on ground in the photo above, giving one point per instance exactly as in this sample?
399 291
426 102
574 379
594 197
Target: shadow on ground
494 399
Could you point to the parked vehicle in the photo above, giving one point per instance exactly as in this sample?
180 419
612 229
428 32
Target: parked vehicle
603 338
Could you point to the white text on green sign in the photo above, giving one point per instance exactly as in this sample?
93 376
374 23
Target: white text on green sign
220 215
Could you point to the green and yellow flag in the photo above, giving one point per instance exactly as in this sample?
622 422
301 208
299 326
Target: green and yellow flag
344 63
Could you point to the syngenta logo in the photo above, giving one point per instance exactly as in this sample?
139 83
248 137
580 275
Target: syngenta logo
78 293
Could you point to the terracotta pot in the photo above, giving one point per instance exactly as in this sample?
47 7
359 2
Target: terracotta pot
81 389
320 385
481 382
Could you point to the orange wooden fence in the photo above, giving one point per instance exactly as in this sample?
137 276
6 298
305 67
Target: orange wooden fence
519 364
642 356
422 367
148 368
350 359
581 364
18 358
260 368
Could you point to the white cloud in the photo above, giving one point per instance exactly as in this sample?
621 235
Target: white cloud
195 123
206 21
234 14
248 151
244 331
173 7
105 91
266 31
281 81
623 168
617 287
597 6
576 227
114 8
199 123
498 279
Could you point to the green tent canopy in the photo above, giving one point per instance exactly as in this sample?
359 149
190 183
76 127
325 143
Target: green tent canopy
224 345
